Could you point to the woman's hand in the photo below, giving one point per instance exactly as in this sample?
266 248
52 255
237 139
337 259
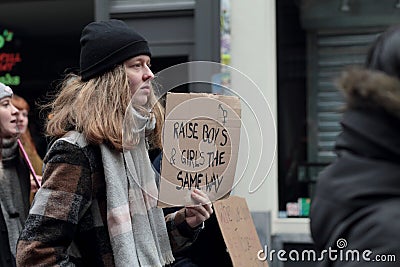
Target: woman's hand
197 214
34 187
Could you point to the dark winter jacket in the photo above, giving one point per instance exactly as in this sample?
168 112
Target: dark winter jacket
6 257
356 206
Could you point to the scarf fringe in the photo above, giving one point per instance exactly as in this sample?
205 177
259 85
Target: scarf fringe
168 258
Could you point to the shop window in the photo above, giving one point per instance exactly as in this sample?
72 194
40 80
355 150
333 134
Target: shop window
310 57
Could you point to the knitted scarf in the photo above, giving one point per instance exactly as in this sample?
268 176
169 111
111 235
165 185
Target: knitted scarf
136 226
14 191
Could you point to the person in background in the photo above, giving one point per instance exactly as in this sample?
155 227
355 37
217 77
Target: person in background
98 202
8 128
27 141
25 134
356 204
15 187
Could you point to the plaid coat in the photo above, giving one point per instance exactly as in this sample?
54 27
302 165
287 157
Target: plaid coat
67 223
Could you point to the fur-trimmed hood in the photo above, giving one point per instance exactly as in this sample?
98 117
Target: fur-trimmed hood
365 88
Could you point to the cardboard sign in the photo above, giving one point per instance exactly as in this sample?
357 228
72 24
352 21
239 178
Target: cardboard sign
238 231
200 147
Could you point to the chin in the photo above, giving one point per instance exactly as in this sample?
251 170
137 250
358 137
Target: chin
141 101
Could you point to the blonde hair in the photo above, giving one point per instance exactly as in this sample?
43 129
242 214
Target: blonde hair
97 107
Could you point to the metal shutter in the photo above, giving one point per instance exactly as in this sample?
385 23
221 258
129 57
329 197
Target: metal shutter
330 52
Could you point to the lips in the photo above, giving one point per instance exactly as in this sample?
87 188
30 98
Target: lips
146 89
146 86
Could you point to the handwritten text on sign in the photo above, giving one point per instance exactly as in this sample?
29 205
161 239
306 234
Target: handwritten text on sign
200 146
239 232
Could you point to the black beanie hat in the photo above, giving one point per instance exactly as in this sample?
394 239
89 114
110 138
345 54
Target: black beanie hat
105 44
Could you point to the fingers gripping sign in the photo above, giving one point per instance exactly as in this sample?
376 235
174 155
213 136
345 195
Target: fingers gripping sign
197 214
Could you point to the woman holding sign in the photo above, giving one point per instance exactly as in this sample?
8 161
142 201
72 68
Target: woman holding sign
97 203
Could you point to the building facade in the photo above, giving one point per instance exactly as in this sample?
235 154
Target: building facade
288 51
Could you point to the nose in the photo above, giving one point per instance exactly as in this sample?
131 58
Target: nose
14 110
148 74
20 116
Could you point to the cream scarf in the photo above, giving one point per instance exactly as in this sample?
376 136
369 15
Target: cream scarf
136 226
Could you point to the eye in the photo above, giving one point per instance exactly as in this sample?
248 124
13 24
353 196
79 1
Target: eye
5 103
135 65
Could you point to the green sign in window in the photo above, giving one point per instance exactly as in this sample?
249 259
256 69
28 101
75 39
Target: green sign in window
9 58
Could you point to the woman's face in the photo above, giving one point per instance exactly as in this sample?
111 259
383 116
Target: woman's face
22 120
8 118
139 78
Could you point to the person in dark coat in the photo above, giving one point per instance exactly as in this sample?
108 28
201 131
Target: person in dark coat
8 128
355 212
